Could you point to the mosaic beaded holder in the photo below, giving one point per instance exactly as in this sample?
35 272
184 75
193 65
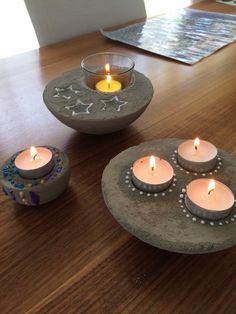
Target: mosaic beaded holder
162 219
89 111
33 192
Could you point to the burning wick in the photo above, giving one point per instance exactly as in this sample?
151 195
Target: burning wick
211 186
196 143
107 69
152 163
109 81
33 153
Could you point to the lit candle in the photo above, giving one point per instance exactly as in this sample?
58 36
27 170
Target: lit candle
152 174
209 199
108 85
34 162
107 68
196 155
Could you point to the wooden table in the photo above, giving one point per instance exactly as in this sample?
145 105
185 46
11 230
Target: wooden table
71 256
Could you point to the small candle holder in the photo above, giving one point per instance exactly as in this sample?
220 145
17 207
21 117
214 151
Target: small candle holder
96 67
105 95
42 189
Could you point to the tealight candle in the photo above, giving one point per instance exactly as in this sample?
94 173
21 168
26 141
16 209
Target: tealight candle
209 199
108 85
34 162
152 174
197 155
42 174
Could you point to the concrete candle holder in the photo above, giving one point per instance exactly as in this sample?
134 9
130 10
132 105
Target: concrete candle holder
162 219
33 192
89 111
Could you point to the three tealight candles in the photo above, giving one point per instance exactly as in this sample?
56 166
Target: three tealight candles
205 198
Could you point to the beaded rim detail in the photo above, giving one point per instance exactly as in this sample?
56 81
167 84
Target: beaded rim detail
10 173
132 187
25 188
213 223
216 169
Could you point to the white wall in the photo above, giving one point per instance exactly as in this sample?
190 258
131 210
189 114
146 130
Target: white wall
16 30
156 7
57 20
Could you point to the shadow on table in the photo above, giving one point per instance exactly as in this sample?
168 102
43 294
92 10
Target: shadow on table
84 146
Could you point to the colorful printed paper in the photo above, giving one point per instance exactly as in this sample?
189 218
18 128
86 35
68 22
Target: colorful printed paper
186 35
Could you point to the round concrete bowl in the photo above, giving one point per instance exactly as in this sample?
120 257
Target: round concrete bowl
92 112
162 219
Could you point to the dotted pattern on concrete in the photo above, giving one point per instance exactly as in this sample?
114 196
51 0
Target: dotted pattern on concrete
216 223
217 168
129 183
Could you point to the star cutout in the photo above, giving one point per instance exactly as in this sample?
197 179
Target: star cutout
114 103
79 108
66 92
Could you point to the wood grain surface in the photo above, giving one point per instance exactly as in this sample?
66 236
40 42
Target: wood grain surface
71 256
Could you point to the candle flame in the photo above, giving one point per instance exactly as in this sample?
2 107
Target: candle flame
33 152
211 186
196 143
152 163
109 80
107 68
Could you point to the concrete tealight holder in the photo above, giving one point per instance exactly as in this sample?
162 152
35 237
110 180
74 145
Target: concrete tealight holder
104 96
162 218
35 186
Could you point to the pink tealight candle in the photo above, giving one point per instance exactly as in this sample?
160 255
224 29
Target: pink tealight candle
34 162
152 174
197 155
208 198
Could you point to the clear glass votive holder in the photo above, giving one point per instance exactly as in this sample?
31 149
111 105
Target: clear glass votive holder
97 67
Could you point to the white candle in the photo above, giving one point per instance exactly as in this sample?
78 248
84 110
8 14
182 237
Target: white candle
197 155
208 198
152 174
34 162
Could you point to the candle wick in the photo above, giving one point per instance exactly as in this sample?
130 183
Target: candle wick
152 168
209 192
34 157
195 147
108 80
